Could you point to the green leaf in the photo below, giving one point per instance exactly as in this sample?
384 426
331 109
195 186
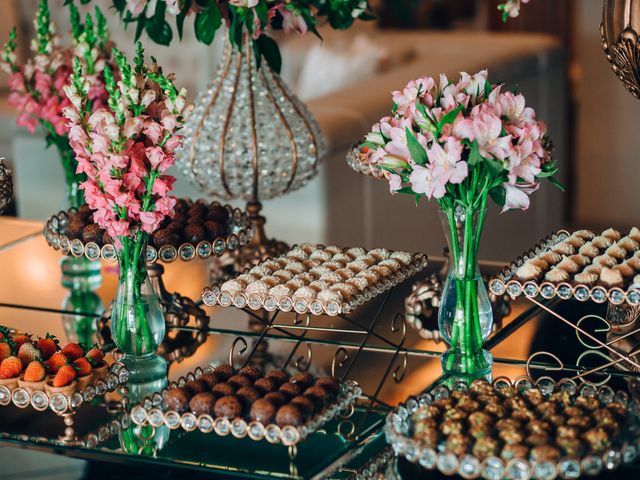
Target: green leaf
448 118
407 190
487 89
159 31
181 16
474 154
495 168
499 195
207 23
369 145
270 51
556 184
548 173
417 151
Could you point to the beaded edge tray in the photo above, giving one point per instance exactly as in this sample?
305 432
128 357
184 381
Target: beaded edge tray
399 423
239 225
215 296
506 283
152 411
60 403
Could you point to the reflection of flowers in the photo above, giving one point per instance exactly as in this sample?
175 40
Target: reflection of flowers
460 142
511 8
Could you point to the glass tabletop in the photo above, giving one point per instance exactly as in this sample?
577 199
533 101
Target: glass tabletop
388 359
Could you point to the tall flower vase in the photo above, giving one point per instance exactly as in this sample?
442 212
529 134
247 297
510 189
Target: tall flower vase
73 195
465 317
137 321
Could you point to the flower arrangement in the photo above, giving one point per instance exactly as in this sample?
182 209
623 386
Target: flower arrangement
37 86
510 8
125 150
252 16
461 143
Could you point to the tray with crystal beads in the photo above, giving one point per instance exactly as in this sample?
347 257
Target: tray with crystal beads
166 408
317 279
197 230
581 265
416 430
69 401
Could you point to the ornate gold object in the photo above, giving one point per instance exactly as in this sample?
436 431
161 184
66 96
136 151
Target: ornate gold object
6 186
619 30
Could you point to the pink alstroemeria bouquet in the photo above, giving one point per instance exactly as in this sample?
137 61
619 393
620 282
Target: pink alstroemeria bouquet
37 87
511 8
125 149
460 143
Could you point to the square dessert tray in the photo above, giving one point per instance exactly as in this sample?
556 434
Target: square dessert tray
172 408
581 265
317 279
198 230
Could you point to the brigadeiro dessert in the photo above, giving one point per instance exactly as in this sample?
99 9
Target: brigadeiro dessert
197 386
214 229
194 233
211 378
225 371
305 379
177 399
197 210
162 237
251 372
248 395
306 406
106 239
263 411
265 385
291 389
318 395
218 213
75 227
91 233
240 381
203 403
223 389
278 376
228 406
277 398
330 384
289 415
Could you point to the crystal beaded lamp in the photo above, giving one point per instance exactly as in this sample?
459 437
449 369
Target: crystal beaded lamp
6 186
249 137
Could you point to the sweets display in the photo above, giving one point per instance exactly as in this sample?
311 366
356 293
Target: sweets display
317 279
274 405
500 429
604 266
197 228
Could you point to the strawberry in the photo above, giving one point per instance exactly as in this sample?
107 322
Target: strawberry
56 361
82 366
20 338
47 345
28 353
10 367
95 356
65 376
73 351
34 372
5 350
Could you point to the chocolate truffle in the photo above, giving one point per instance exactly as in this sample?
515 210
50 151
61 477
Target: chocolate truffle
161 237
277 398
85 212
75 227
305 379
223 389
194 233
225 371
203 403
265 385
290 389
218 213
240 381
318 395
106 239
197 210
248 395
330 384
197 386
177 399
306 406
278 376
289 415
252 372
228 406
91 233
211 378
214 229
263 411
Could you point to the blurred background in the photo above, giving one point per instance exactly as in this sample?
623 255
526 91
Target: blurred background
551 53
